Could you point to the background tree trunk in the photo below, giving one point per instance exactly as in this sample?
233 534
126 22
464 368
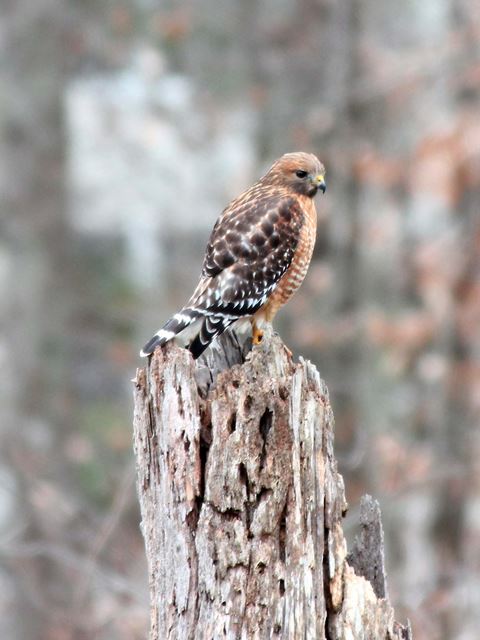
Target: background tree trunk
242 503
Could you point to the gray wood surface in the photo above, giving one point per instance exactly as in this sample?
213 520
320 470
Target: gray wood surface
242 502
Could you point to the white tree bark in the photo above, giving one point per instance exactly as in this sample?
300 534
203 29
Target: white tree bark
242 503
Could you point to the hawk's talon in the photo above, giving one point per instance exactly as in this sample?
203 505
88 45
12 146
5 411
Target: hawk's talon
288 352
257 335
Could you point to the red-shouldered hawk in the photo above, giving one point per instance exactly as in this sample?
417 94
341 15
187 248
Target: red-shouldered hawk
257 256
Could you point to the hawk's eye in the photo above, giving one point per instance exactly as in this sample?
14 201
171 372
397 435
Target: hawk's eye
301 174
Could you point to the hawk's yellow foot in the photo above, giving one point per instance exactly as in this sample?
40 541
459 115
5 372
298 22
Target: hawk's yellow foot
257 334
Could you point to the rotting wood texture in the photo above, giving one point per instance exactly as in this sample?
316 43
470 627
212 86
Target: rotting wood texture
242 503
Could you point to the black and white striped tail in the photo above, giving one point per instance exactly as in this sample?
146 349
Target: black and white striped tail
212 326
173 327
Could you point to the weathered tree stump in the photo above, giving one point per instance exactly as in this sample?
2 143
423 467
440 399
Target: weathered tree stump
242 503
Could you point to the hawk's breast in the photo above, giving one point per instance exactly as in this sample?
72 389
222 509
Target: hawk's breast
295 274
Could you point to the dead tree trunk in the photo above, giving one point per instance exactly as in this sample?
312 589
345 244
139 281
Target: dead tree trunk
242 504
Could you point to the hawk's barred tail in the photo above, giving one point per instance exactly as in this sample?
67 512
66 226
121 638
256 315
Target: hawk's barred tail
170 329
211 327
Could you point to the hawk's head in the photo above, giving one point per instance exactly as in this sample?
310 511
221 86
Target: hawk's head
301 172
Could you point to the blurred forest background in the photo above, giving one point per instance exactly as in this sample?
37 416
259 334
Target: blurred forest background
126 126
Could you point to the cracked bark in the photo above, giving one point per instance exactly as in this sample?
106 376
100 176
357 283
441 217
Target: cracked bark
242 503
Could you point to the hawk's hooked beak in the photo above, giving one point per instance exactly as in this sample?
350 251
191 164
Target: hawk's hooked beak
319 182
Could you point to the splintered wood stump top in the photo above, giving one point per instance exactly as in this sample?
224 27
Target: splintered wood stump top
242 503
